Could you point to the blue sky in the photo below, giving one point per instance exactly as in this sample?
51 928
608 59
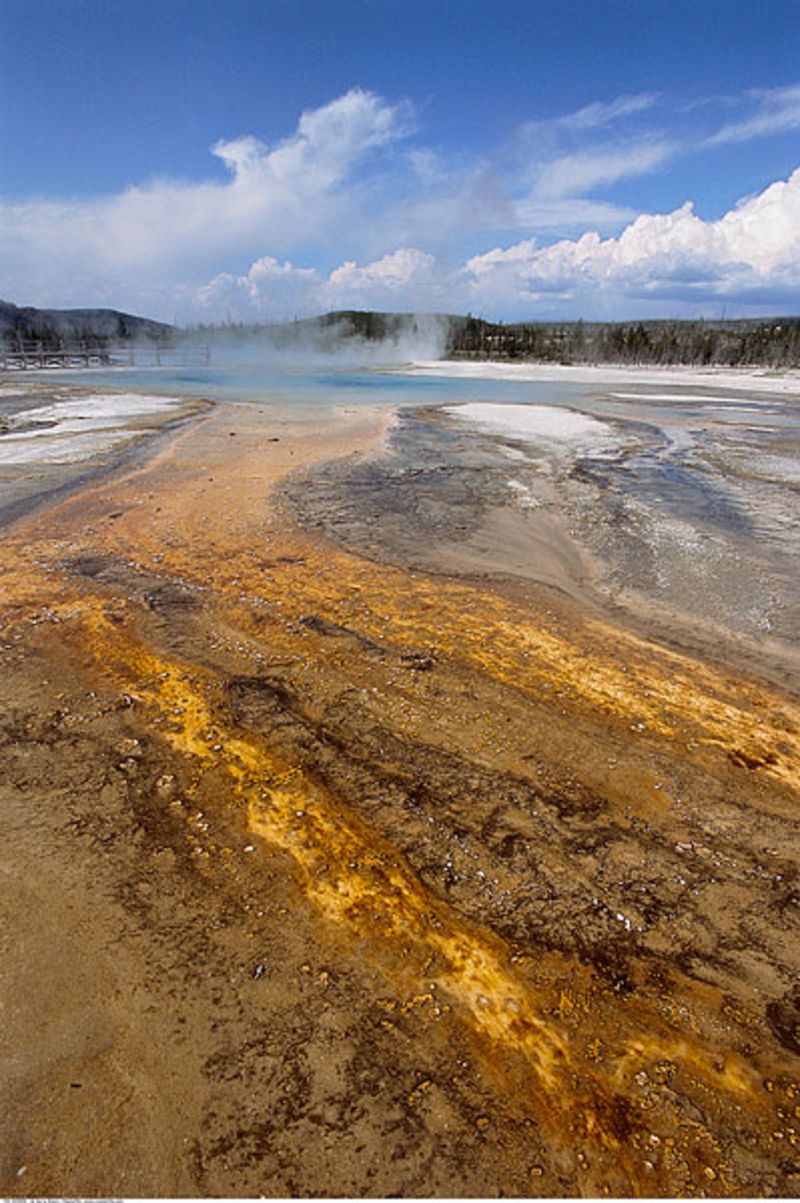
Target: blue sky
261 158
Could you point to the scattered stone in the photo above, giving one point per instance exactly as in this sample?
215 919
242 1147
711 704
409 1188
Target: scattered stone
128 748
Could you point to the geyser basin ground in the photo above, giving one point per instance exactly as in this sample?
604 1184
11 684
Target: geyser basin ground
327 875
54 435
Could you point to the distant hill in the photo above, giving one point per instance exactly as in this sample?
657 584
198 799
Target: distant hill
94 327
743 342
366 324
765 342
329 332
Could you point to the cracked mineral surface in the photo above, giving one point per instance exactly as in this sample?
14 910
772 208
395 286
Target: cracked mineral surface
336 864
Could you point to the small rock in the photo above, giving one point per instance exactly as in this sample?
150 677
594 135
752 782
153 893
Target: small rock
128 747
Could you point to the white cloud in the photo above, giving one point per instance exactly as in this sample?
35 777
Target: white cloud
566 215
590 117
269 290
601 113
164 231
778 111
574 174
403 271
753 250
407 278
482 203
338 215
335 182
573 153
328 140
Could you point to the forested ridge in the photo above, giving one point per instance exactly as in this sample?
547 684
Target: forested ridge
765 342
772 342
93 328
746 342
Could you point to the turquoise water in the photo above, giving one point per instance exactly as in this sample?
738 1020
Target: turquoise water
302 387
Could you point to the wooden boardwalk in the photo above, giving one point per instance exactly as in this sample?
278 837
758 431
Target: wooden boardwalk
37 355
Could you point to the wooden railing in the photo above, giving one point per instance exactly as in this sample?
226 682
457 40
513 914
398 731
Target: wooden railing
27 354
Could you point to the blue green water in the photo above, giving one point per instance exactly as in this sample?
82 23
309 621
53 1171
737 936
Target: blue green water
301 387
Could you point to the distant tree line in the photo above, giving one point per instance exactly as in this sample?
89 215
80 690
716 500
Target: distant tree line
768 342
773 342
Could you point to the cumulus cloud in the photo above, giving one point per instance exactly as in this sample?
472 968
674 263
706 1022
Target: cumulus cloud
407 273
268 290
348 212
754 249
281 197
338 180
406 278
328 140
